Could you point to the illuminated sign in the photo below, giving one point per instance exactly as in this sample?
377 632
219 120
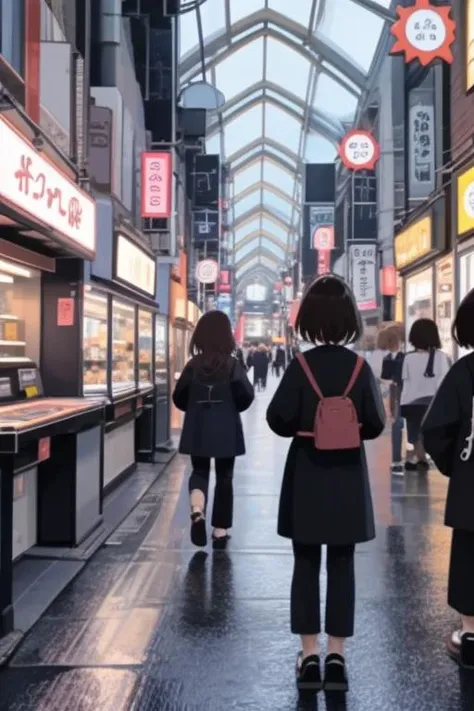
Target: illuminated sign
466 202
156 185
135 267
424 32
30 184
359 150
414 243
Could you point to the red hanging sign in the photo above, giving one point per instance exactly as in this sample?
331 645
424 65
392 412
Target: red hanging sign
324 261
359 150
323 237
65 315
156 184
388 281
424 32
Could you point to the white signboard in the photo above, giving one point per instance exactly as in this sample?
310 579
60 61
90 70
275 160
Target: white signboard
31 184
363 271
256 292
207 271
135 266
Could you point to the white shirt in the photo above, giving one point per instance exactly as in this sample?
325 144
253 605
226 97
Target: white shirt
375 360
415 385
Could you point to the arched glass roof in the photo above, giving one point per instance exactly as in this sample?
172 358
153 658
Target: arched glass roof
292 73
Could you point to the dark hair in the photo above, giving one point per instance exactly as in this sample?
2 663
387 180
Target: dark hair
212 342
463 325
424 335
329 313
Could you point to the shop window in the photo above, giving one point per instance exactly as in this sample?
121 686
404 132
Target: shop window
161 366
470 44
419 297
123 346
95 341
12 33
20 312
145 348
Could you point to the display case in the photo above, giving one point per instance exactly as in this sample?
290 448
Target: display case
20 304
123 347
145 349
95 348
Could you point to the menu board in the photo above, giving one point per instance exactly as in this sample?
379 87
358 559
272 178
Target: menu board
29 382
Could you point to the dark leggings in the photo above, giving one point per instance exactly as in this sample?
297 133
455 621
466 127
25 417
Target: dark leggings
305 596
461 573
223 508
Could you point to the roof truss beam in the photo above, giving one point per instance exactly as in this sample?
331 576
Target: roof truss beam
263 185
258 235
259 252
261 212
269 143
253 273
266 155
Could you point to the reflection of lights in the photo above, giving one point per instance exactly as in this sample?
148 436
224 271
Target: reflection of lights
14 269
6 279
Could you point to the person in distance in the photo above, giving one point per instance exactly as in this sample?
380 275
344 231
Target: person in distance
329 402
212 390
448 435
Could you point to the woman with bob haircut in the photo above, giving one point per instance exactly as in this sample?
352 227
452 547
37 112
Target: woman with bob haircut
393 336
212 390
423 370
328 402
448 433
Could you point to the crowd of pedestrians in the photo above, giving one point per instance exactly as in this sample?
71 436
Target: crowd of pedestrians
328 402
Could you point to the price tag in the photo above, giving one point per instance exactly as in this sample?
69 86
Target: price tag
31 391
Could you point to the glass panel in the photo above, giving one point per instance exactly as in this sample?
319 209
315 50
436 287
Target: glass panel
212 16
242 8
283 100
238 104
244 129
247 203
12 45
20 312
334 100
145 348
246 177
419 297
213 144
188 33
272 247
279 154
269 263
242 252
123 346
161 365
287 68
278 124
297 11
241 69
319 149
275 229
341 76
276 204
275 175
95 341
250 226
337 27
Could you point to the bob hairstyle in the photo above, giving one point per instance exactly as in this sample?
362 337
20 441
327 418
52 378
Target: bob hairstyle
390 336
328 313
463 326
424 335
212 341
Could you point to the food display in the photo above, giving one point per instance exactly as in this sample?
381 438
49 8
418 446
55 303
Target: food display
40 411
95 341
145 348
123 346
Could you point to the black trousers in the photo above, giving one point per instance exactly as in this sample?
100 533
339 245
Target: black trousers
223 508
461 573
305 596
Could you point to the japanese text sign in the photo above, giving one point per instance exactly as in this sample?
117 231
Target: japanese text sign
156 185
363 271
31 184
359 150
424 32
65 315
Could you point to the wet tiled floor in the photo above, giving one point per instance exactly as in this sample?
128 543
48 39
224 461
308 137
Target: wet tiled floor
153 625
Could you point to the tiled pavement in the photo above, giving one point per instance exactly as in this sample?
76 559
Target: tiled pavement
151 625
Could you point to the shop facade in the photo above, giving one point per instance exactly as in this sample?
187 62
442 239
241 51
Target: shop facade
426 278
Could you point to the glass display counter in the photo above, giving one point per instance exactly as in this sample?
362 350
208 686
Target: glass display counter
95 342
145 349
123 347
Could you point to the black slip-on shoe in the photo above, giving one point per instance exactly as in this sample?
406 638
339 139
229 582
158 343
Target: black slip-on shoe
198 529
460 647
335 676
308 674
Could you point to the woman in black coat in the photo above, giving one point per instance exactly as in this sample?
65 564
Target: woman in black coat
212 390
448 436
325 495
260 363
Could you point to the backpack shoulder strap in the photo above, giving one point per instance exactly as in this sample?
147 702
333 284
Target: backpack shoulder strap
304 364
354 376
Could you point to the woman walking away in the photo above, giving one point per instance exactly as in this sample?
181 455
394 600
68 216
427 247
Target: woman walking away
392 367
423 370
260 362
448 434
328 401
212 390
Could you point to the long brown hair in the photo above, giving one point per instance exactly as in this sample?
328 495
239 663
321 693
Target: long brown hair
212 343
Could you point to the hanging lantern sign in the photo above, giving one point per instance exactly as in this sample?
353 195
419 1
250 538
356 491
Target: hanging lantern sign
359 150
424 32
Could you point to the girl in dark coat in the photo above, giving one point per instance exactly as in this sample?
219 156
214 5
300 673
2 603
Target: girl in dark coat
448 436
325 495
260 362
212 390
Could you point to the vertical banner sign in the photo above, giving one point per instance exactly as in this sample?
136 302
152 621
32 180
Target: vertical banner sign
206 181
156 185
321 222
421 144
363 271
324 261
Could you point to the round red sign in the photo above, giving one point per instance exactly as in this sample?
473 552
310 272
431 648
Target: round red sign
424 32
359 150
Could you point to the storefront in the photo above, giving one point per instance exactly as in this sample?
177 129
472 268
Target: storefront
179 341
415 251
51 438
465 235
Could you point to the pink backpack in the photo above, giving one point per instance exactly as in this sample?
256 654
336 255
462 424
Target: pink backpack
336 425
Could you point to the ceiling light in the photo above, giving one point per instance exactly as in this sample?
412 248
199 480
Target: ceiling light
14 269
6 279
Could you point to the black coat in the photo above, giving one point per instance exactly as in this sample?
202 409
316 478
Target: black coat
445 428
325 495
212 426
260 362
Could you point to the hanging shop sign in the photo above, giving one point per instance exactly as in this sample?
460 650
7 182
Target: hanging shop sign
205 226
156 185
359 150
424 32
363 270
414 243
324 261
421 144
31 185
207 271
388 281
321 224
135 267
465 186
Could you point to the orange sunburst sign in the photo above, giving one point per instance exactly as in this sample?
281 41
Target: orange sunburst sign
424 32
